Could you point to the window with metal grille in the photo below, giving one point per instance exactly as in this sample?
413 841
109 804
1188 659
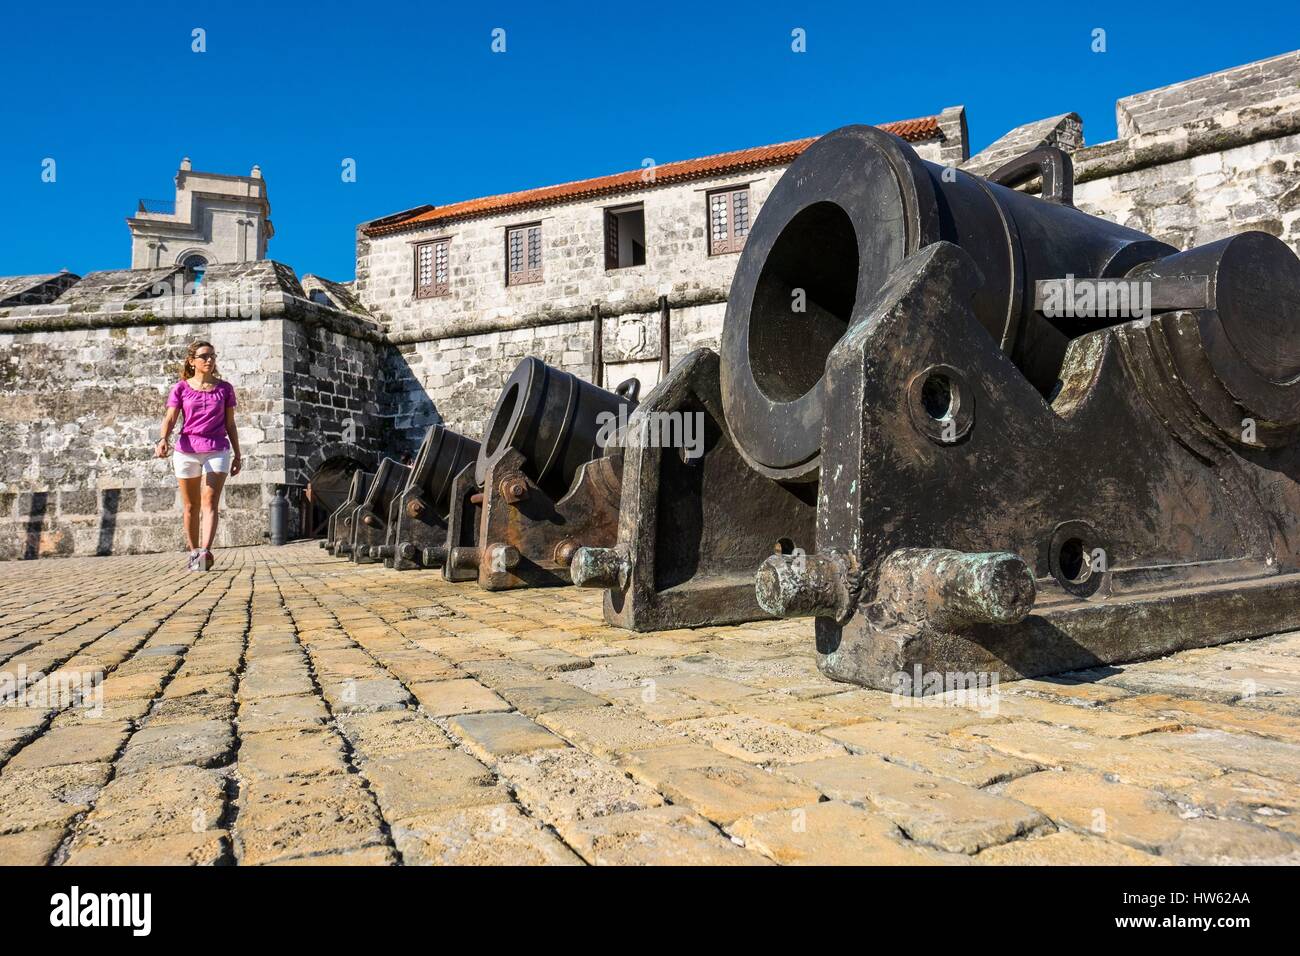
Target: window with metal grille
524 254
432 268
728 220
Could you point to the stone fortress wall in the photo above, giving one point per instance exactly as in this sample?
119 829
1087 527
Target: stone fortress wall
357 371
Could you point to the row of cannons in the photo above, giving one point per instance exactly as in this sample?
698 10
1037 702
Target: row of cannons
965 427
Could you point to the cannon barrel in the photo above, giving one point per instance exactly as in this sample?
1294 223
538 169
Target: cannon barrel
344 518
420 514
441 457
370 521
836 226
555 420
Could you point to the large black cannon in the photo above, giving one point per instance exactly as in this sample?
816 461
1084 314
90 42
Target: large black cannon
417 524
544 484
338 534
1035 440
370 520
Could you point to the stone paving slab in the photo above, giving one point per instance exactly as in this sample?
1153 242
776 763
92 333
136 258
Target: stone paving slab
289 708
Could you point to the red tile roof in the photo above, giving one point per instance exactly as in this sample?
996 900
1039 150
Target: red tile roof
758 157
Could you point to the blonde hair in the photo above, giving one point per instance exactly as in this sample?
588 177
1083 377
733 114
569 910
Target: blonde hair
187 366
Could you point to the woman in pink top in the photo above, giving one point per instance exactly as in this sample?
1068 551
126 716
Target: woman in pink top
207 449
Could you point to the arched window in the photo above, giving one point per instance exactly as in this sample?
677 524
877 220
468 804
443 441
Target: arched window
195 266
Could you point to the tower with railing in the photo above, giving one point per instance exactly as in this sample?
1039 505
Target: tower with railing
213 218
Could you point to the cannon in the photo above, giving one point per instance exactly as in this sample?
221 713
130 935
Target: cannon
417 524
1015 480
546 481
993 474
338 534
370 520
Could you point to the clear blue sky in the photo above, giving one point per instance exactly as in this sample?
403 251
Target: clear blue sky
413 93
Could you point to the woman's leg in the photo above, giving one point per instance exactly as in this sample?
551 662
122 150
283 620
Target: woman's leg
213 482
190 497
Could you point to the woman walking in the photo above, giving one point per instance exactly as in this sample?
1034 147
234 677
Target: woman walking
207 449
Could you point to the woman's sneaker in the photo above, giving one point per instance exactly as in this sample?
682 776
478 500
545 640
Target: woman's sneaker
194 561
206 560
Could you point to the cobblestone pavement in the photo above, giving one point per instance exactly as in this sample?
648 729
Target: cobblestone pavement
290 707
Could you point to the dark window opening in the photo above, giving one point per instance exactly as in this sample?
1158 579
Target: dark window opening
195 267
625 237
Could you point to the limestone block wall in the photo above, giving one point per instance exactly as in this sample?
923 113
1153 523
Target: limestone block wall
1201 198
678 263
333 391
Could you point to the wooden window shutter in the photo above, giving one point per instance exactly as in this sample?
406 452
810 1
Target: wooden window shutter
442 267
524 254
424 270
432 268
611 240
728 220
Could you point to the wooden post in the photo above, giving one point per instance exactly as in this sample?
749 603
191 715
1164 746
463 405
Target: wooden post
597 348
665 339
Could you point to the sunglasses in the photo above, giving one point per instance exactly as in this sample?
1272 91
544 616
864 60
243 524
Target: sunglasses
205 356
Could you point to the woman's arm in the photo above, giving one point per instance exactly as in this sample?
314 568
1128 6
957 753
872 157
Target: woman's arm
236 463
163 448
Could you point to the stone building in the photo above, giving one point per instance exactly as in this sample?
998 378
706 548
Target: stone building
213 219
605 277
464 291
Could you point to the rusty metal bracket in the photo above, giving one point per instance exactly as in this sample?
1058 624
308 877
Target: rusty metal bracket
458 555
370 520
691 529
338 536
418 517
527 539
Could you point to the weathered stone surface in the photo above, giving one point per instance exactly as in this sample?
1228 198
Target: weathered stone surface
491 737
631 784
431 781
716 786
1208 842
154 803
606 731
290 753
1090 803
568 784
1213 716
204 743
662 835
1140 762
391 733
496 835
48 796
833 834
462 696
302 712
960 758
932 810
1244 796
366 696
29 848
87 743
543 697
206 848
298 817
757 741
1066 849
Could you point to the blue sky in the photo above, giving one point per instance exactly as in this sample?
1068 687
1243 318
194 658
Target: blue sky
414 94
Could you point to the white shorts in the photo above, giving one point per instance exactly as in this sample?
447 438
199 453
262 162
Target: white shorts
203 463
